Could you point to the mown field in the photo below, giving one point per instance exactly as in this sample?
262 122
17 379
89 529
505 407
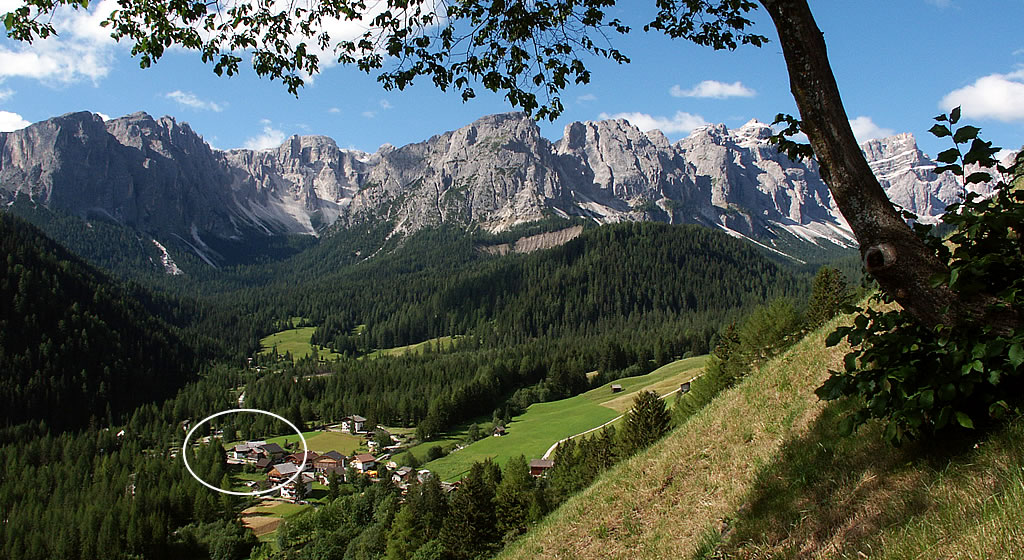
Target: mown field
321 442
533 432
444 342
295 341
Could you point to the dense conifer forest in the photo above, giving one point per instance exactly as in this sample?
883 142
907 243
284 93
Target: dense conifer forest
101 374
76 346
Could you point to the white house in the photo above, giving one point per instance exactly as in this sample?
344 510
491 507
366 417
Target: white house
354 424
364 462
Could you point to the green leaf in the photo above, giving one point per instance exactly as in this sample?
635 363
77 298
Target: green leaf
964 420
891 431
1016 355
947 392
846 426
835 337
940 130
965 133
850 361
927 399
954 115
948 156
978 177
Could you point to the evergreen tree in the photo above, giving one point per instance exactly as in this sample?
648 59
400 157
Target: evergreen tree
513 497
407 534
333 486
645 423
469 530
829 294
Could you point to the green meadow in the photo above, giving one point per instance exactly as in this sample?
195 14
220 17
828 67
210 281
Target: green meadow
321 442
533 432
297 342
444 342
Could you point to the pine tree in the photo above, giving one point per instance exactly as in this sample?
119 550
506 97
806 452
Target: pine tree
513 496
333 486
469 531
829 294
645 423
406 535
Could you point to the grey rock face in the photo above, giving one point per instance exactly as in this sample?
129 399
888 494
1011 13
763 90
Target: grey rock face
160 177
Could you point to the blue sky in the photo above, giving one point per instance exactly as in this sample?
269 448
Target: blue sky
898 64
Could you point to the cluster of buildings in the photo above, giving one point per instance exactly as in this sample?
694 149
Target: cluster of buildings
280 466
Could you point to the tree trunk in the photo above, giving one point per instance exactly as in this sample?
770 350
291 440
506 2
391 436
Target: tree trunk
892 253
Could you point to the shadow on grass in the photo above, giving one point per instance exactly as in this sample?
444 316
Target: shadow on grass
826 496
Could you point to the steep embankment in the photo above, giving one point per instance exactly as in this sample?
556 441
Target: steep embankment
761 473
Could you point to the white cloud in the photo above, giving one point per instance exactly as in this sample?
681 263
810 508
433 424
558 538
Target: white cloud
865 129
10 122
334 110
385 104
81 50
943 4
369 114
996 96
103 116
189 99
586 98
6 94
681 122
271 138
714 89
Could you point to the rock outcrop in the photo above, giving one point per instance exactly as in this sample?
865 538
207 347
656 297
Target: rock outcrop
161 178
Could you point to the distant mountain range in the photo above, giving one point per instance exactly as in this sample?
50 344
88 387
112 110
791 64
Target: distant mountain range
162 179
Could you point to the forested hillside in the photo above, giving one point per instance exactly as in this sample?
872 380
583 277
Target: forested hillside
74 344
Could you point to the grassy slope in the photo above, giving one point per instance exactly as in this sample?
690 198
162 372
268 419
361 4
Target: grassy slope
321 442
295 341
760 473
445 342
532 432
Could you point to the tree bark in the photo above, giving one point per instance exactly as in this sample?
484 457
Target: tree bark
892 252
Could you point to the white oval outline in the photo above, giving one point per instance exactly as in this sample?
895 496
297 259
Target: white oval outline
184 455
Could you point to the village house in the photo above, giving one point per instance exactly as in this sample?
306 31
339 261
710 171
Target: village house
331 459
539 466
402 475
290 491
296 458
271 451
282 472
240 453
616 388
364 462
354 424
423 475
499 431
324 475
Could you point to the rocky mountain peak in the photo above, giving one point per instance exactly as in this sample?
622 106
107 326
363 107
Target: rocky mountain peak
161 177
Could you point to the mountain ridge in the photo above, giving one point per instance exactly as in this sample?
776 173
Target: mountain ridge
162 178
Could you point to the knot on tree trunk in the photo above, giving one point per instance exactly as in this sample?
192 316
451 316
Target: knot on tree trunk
879 257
